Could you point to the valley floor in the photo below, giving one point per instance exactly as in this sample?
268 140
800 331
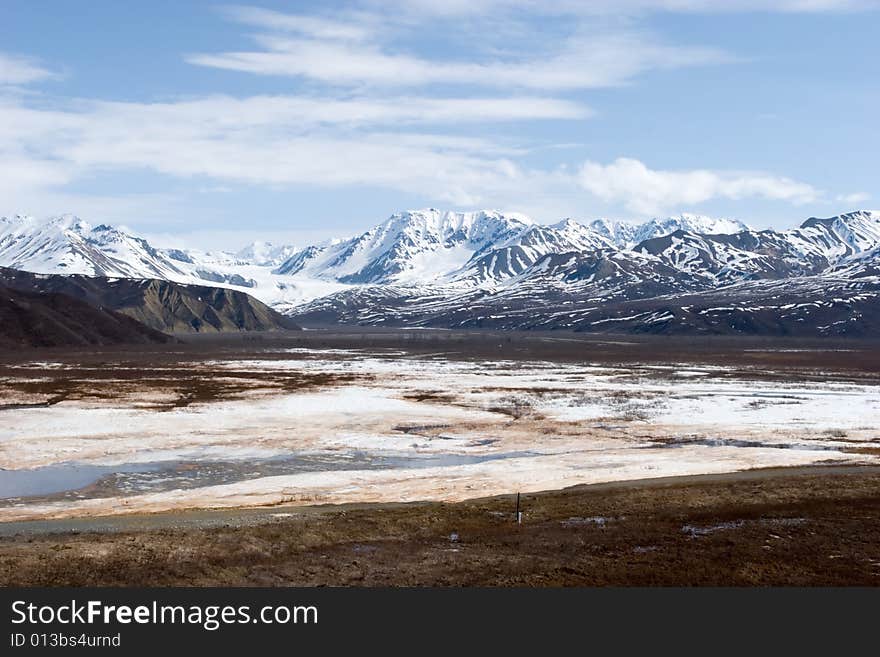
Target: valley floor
434 417
258 430
798 526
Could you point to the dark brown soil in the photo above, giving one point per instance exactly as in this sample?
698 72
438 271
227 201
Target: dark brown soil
760 358
196 370
182 383
774 527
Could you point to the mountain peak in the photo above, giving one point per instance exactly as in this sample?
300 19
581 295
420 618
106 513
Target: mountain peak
69 222
858 231
265 254
627 234
567 223
702 224
452 221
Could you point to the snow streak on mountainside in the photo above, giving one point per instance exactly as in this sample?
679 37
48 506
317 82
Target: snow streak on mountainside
431 267
805 306
819 279
810 249
626 235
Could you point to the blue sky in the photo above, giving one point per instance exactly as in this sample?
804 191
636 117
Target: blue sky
214 124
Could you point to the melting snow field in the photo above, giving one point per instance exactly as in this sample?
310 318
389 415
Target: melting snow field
401 428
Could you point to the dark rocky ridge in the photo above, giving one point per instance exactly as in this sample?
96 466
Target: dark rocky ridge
35 319
161 305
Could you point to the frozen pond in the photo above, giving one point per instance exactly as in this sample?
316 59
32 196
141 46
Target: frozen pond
81 480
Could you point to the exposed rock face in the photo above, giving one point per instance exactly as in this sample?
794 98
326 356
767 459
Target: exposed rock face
161 305
39 319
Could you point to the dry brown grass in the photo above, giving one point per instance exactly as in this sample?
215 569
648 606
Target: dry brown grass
766 529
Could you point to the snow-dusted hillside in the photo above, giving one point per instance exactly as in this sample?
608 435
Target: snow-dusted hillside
814 247
628 235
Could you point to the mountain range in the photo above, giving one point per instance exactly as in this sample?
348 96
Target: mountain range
686 274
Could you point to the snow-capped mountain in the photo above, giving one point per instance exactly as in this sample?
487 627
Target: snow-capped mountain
70 245
807 306
265 254
822 278
815 246
843 235
480 268
627 235
409 247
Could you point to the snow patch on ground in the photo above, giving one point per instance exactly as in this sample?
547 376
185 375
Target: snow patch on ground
541 425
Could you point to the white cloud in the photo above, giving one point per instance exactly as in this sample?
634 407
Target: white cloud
649 191
311 26
15 69
854 198
584 61
302 113
357 126
263 141
284 141
20 172
596 47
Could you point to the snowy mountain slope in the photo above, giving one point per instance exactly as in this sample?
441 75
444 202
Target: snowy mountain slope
691 223
619 233
815 306
517 255
843 235
70 245
810 249
67 244
532 299
468 248
819 279
740 256
407 247
804 306
430 267
628 235
265 254
859 266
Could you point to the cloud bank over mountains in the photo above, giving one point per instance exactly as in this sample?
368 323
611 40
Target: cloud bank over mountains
368 107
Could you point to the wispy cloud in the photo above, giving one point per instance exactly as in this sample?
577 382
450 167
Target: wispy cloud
583 61
854 198
651 191
264 141
310 26
377 111
16 69
273 141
